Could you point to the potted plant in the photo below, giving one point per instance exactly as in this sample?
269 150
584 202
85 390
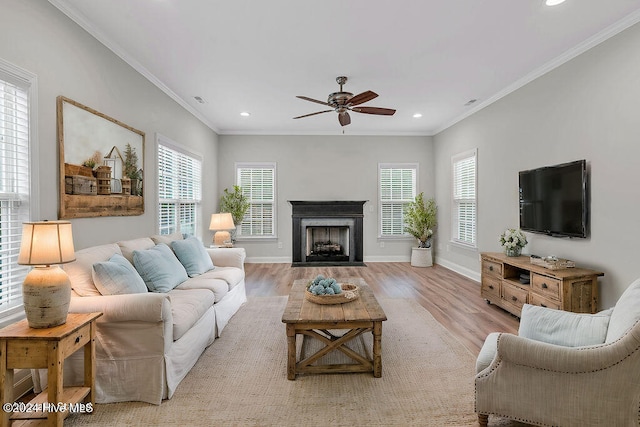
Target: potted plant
513 240
235 203
420 221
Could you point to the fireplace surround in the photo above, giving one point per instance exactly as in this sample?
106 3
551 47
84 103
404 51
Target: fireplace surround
327 233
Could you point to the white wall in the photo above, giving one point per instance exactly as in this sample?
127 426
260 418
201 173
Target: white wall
585 109
327 168
68 61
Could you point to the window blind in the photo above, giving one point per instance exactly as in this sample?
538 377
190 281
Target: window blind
14 190
179 191
397 190
258 185
464 198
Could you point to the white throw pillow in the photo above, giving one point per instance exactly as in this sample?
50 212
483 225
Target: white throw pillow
626 312
117 276
562 327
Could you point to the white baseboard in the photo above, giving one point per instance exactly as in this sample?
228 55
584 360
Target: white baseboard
268 260
467 272
386 258
287 260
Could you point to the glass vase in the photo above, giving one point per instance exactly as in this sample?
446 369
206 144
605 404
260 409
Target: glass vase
513 251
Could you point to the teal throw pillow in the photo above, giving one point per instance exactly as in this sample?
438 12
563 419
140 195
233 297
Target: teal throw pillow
117 276
159 268
192 255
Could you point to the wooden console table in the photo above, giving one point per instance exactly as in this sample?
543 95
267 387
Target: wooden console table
569 289
22 347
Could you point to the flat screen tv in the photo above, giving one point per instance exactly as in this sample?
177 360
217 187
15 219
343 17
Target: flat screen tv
554 200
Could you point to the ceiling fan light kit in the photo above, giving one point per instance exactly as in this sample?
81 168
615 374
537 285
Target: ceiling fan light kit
342 102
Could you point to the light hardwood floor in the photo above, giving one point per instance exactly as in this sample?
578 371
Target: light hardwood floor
451 298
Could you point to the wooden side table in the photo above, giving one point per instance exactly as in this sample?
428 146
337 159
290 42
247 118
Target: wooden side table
22 347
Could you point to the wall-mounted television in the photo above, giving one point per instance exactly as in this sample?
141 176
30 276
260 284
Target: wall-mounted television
554 200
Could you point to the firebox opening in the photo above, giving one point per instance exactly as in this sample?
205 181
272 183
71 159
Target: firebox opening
327 243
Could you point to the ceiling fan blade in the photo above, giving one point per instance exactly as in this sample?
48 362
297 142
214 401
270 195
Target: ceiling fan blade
306 98
363 97
313 114
344 118
375 110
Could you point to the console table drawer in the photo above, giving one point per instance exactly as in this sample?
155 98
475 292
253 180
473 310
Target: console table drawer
514 295
546 286
491 287
541 301
491 268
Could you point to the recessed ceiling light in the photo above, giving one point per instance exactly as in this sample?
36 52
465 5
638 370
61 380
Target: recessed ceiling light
417 115
553 2
245 114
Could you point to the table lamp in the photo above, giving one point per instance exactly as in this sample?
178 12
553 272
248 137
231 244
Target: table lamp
221 223
46 290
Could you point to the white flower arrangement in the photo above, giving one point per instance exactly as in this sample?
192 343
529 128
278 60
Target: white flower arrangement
513 238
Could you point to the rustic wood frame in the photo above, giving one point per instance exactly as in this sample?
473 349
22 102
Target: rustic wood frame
85 130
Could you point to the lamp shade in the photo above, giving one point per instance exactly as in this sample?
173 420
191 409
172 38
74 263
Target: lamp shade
46 243
221 221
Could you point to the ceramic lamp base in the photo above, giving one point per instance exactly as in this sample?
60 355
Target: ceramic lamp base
221 237
46 294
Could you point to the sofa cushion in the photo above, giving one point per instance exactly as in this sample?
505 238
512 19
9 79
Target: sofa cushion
218 287
159 268
166 238
128 246
80 271
232 275
192 255
187 307
117 276
626 312
562 327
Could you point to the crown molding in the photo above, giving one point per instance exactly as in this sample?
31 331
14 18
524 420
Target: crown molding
567 56
119 51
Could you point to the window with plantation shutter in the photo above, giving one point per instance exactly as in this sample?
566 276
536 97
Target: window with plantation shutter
463 167
15 185
397 190
179 189
258 183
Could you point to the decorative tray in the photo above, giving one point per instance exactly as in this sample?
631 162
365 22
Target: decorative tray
552 263
349 293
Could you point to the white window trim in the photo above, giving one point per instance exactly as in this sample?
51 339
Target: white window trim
454 220
259 165
167 142
14 74
405 236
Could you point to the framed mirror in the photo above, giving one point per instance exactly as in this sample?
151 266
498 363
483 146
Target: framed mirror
101 163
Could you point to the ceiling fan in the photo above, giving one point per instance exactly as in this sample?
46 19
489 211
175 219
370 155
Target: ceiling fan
343 102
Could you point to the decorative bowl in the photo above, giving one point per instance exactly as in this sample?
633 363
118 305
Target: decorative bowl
349 293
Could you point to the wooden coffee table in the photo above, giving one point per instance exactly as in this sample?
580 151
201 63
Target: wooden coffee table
319 321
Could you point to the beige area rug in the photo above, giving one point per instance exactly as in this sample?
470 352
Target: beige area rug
240 380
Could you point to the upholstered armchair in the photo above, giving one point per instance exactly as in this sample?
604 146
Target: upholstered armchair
565 369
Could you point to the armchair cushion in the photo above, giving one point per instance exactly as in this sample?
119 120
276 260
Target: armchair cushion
117 276
625 313
193 256
159 268
562 327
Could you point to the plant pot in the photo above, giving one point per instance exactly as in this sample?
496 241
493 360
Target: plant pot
421 257
513 251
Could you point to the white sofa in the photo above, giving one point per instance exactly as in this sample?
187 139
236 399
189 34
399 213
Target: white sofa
147 342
